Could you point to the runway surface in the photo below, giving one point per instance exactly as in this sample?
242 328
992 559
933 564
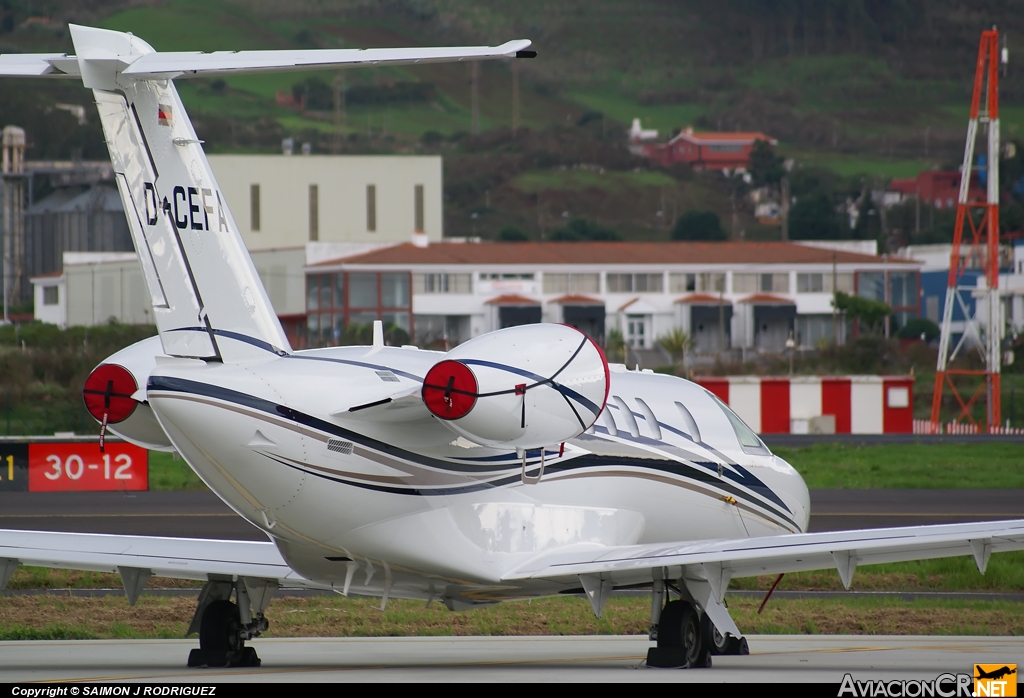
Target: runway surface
203 515
504 659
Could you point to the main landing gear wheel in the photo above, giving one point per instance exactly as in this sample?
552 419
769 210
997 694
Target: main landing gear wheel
220 643
717 643
680 641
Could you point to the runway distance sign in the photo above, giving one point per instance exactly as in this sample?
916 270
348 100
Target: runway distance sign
13 467
80 467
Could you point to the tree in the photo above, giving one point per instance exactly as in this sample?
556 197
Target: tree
510 234
615 346
814 218
919 327
765 166
580 229
699 225
870 313
676 343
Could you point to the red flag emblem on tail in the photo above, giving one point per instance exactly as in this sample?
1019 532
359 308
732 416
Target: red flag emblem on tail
164 115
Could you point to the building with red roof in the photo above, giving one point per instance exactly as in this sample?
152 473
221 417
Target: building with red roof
938 188
726 295
704 151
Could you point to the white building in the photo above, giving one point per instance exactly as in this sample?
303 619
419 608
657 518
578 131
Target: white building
94 288
732 295
282 201
291 211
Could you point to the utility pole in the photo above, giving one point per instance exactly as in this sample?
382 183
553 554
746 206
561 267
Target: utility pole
835 310
515 96
474 81
336 136
784 212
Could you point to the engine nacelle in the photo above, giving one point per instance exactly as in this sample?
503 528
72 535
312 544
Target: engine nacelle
521 387
115 392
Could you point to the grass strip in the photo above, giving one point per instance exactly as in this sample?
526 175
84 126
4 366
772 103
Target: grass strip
909 466
51 617
169 474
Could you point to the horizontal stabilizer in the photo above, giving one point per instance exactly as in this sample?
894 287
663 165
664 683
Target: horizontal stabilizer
186 64
160 66
38 65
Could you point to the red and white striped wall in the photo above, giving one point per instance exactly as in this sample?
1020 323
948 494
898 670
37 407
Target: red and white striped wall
860 404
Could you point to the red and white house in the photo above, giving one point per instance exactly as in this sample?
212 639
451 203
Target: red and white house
703 150
793 405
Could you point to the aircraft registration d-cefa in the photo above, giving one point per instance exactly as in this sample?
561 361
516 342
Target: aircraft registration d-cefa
520 464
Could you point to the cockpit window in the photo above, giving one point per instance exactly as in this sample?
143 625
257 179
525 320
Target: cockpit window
749 441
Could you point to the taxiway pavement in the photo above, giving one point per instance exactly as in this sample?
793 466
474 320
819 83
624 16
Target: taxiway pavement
783 658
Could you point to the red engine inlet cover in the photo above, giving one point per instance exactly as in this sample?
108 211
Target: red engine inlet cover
449 390
108 391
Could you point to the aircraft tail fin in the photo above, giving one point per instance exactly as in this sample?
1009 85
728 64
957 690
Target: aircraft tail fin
208 300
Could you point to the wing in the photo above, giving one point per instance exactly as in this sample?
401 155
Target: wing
181 558
747 557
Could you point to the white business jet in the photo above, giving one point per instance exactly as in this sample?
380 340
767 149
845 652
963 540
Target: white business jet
518 465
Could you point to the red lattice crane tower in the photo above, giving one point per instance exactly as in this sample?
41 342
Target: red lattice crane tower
983 328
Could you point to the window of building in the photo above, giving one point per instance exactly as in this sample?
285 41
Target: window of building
681 283
903 290
442 283
254 208
871 284
394 290
314 212
725 148
810 283
51 295
744 283
334 317
843 282
572 283
506 277
635 283
707 282
775 283
760 283
418 203
824 282
371 208
362 290
814 330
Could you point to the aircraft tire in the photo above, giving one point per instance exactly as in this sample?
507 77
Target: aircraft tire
719 644
679 631
219 643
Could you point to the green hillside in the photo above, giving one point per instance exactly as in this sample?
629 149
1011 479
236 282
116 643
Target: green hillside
862 89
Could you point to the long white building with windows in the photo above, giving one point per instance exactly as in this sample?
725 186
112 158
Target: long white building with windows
751 295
